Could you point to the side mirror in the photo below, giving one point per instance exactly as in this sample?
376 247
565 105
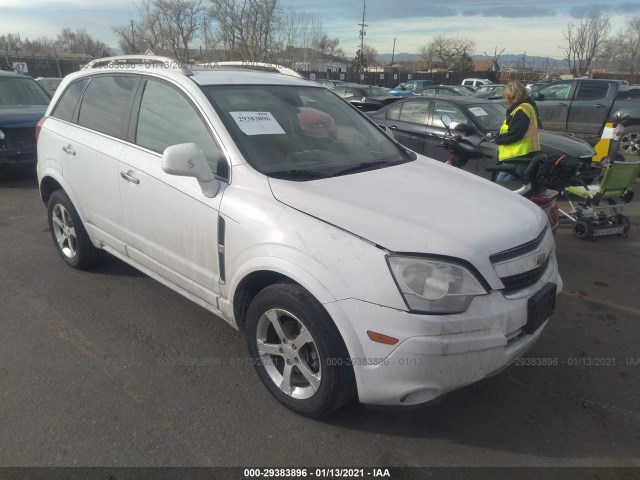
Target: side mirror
187 160
462 128
537 96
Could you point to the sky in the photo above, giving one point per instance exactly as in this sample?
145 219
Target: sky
529 27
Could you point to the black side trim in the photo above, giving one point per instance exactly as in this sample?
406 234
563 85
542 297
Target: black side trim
221 239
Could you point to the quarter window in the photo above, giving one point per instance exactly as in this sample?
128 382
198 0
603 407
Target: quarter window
106 102
167 118
67 104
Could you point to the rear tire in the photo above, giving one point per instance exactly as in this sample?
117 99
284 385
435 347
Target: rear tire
297 351
69 235
626 226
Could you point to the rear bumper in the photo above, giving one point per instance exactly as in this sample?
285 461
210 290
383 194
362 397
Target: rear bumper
13 157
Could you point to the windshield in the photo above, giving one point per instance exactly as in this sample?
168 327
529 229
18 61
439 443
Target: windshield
301 133
487 116
16 91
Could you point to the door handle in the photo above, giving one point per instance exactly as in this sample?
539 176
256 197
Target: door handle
599 105
129 178
393 127
69 149
562 105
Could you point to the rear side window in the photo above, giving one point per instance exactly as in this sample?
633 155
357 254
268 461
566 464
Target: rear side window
414 112
67 104
592 91
167 118
106 104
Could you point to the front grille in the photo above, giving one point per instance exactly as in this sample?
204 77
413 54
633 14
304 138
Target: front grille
519 250
525 279
20 137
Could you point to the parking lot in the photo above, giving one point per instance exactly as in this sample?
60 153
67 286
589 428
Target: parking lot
110 368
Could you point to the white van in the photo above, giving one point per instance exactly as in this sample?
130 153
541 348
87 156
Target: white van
352 265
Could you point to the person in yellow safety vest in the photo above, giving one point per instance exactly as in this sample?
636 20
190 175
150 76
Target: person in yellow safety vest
519 134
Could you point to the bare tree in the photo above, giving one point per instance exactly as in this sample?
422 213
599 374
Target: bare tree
246 28
10 42
179 23
585 39
494 59
42 46
426 54
163 26
622 52
79 42
449 51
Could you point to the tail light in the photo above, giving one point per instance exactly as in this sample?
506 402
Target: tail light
39 127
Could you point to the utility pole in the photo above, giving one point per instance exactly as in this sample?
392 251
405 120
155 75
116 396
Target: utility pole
363 32
393 53
133 39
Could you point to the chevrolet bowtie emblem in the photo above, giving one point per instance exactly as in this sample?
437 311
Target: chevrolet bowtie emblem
542 258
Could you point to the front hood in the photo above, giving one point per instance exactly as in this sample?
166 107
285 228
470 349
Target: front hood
421 207
573 146
21 117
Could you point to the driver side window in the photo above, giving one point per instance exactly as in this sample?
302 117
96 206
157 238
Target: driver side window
558 91
454 112
167 118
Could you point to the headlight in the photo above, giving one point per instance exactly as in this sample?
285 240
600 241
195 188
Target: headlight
434 286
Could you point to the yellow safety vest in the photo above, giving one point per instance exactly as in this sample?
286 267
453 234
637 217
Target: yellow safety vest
531 140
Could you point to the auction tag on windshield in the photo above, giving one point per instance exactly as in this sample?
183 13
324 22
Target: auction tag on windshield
478 111
257 123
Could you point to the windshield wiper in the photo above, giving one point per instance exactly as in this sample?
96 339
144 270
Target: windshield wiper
297 173
362 167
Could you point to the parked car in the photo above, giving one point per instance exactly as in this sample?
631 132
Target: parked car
476 82
352 266
50 84
416 123
410 88
491 92
581 107
330 83
632 93
446 90
364 97
22 104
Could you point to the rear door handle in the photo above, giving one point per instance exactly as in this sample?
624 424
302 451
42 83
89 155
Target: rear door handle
129 178
69 149
393 127
599 105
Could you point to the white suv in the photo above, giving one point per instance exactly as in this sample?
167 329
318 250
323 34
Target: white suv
352 265
476 82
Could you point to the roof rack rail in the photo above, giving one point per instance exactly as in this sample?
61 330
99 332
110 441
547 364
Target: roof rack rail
251 65
149 61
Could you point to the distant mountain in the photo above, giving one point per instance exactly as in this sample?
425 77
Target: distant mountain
506 60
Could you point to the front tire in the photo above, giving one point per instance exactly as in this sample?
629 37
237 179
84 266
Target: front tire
630 141
297 351
68 233
582 230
